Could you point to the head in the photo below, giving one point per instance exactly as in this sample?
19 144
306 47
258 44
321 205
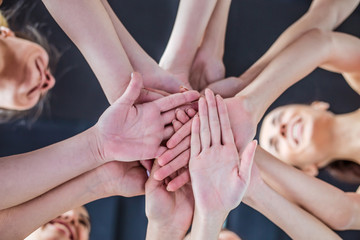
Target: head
299 135
72 225
225 234
25 77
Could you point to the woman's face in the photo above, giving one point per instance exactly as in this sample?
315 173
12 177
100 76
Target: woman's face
24 73
72 225
297 134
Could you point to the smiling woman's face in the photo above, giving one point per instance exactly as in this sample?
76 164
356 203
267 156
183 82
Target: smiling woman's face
72 225
24 74
297 134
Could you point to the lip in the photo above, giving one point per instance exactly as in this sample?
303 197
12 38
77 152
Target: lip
59 221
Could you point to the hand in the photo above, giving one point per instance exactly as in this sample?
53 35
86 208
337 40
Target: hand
219 179
206 69
177 158
129 132
228 87
122 178
168 210
242 120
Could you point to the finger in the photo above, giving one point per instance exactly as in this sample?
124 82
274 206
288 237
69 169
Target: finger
176 164
160 92
170 154
181 116
168 117
177 125
195 137
133 90
214 123
160 151
204 124
179 135
191 112
147 164
227 136
148 96
247 159
152 183
179 181
176 100
168 132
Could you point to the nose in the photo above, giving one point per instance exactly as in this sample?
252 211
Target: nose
70 216
49 82
283 130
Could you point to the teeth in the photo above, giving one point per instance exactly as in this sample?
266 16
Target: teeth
296 132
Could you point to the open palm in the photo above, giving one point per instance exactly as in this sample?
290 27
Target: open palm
129 132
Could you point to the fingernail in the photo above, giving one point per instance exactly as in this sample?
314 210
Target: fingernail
132 75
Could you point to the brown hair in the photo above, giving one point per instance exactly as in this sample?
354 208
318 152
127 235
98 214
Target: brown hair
345 171
24 30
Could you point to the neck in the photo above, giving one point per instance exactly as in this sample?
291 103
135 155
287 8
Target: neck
346 135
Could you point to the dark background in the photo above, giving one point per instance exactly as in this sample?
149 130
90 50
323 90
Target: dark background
77 100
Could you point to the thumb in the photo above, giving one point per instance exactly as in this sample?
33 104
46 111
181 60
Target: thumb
133 90
247 160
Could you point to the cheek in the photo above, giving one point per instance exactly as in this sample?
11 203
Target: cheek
84 233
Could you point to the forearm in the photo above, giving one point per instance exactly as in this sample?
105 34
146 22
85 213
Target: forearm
139 59
189 28
214 38
297 223
26 176
155 232
294 63
20 221
322 14
89 26
206 226
328 203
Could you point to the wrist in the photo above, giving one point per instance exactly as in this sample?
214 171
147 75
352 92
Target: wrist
159 231
207 226
96 146
254 196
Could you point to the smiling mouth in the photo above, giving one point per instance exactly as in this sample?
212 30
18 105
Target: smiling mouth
71 235
295 131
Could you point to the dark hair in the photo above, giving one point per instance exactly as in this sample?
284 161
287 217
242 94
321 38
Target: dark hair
18 18
345 171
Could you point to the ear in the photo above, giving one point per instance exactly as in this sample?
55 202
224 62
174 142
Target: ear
320 105
311 170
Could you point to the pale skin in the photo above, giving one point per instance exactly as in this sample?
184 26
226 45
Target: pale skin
322 14
219 178
117 135
292 219
189 28
113 178
86 23
169 213
337 52
337 209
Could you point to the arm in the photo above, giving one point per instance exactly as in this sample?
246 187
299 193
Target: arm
322 14
154 76
189 28
208 65
296 222
124 132
219 179
337 209
110 179
89 26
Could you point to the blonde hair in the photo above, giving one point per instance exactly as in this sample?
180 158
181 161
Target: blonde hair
3 21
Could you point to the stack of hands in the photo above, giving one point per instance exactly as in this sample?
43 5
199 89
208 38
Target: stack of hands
198 176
